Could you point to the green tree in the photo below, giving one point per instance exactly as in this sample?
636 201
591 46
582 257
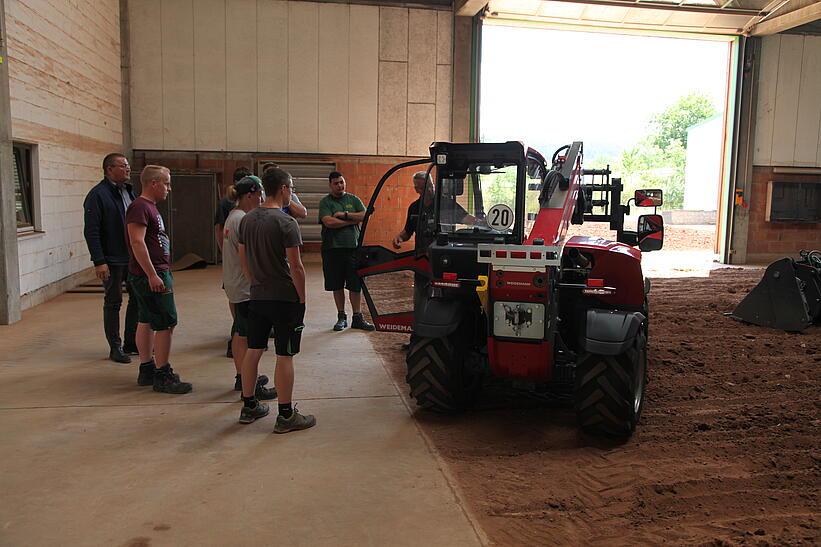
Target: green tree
672 123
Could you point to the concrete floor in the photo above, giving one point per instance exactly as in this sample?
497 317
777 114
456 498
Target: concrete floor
89 458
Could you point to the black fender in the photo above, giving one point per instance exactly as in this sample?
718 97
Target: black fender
437 317
611 332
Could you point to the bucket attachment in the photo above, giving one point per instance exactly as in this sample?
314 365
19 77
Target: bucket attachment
779 300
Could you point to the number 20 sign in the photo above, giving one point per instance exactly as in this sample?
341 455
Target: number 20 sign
500 217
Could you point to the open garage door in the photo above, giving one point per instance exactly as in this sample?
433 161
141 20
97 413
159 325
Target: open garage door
651 91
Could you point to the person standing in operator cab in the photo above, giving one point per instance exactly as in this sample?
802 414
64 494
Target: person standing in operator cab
340 214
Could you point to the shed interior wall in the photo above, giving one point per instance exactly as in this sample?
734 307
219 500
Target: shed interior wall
65 95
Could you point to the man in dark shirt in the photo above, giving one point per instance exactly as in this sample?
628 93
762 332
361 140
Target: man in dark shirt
150 276
104 232
269 242
423 185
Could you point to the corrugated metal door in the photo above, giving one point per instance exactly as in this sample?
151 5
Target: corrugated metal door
311 184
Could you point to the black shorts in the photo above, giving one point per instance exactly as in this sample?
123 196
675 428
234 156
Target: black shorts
240 325
339 269
287 319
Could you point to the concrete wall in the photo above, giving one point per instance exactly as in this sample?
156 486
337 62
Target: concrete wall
64 83
289 77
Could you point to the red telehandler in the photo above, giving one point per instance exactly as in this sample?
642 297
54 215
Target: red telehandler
501 292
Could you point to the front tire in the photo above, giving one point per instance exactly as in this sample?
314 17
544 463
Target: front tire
438 375
610 390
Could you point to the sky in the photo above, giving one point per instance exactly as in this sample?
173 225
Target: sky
549 87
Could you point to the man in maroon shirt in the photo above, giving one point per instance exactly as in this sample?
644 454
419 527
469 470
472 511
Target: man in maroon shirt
150 276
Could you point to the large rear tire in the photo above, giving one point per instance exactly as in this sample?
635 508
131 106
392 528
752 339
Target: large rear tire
610 390
438 375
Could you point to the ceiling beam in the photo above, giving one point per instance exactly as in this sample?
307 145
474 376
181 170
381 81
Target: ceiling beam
664 6
469 8
793 19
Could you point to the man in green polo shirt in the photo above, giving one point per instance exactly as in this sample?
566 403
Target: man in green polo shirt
340 214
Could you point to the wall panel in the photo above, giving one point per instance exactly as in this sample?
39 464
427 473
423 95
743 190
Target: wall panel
334 39
393 107
146 75
444 100
767 84
241 74
177 28
393 34
422 51
209 75
421 128
809 109
303 77
272 70
786 99
363 79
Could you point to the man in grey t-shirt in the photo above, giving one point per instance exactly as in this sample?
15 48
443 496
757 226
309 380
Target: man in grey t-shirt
269 242
248 196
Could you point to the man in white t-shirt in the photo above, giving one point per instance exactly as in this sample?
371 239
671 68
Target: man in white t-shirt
237 286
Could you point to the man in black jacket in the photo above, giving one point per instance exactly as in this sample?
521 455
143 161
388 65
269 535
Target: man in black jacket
104 232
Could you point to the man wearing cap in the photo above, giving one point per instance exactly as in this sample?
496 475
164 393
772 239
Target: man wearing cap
247 195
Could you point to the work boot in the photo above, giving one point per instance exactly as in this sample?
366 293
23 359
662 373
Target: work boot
230 351
249 414
165 381
360 323
261 381
341 321
146 375
296 422
130 349
116 354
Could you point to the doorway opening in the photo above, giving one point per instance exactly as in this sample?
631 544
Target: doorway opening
657 108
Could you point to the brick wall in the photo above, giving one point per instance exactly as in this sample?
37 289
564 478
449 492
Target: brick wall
770 240
361 172
65 88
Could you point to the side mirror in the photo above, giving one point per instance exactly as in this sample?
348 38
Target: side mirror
453 187
650 232
649 198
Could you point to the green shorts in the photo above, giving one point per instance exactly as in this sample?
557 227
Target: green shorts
155 308
240 326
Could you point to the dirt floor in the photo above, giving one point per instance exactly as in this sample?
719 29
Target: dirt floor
727 451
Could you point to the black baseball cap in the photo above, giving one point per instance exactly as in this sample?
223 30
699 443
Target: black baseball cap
248 185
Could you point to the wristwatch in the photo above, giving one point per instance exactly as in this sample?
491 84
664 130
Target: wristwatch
346 215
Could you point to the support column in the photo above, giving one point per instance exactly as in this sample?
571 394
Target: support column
125 70
9 266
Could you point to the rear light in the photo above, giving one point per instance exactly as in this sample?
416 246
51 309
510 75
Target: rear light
501 254
449 276
535 255
595 282
518 254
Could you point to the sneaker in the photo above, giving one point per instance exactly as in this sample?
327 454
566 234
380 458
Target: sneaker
131 349
360 323
116 354
261 381
229 353
296 422
248 414
265 393
341 322
146 376
165 381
